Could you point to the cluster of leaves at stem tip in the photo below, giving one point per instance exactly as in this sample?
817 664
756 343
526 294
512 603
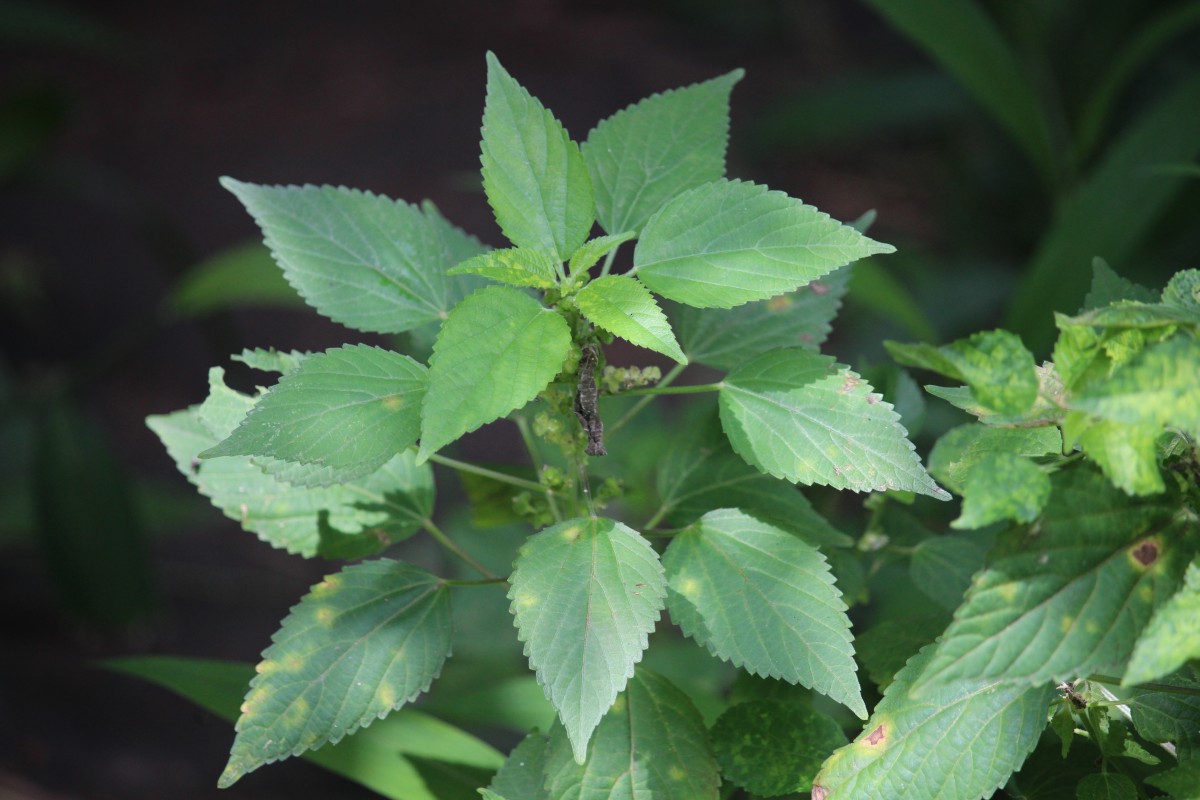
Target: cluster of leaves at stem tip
1080 476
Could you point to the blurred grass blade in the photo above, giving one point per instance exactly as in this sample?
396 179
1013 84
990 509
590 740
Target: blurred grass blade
243 275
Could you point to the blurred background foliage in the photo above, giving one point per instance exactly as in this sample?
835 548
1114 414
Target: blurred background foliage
1003 145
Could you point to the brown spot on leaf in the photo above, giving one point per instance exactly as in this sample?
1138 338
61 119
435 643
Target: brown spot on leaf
1146 553
876 736
819 792
818 288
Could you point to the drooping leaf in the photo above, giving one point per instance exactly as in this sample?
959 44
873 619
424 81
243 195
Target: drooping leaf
1106 786
998 368
729 242
586 593
347 411
1002 486
1047 408
1108 287
642 156
515 266
360 259
523 774
942 566
725 338
957 452
244 275
903 752
498 349
533 174
772 748
1172 637
593 250
1069 597
800 416
623 307
342 521
652 744
362 643
1160 386
763 600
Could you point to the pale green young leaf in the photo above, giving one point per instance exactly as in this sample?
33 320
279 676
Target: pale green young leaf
763 600
271 360
343 521
1136 315
903 750
958 450
1160 386
488 794
624 307
1183 290
1172 637
998 368
498 349
797 739
642 156
586 594
593 250
362 643
533 173
360 259
651 745
1106 786
347 411
524 772
1002 486
942 566
1108 287
1069 597
1047 409
1126 453
726 338
729 242
800 416
515 266
921 355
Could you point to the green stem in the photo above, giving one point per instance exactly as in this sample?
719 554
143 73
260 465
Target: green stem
671 375
608 261
663 510
484 582
654 391
453 546
538 463
1154 687
484 472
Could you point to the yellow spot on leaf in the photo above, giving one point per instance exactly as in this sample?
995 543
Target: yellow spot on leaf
1008 591
266 667
1091 626
297 712
327 586
254 701
526 600
619 706
393 403
571 534
779 303
690 587
325 616
386 696
1145 593
293 662
1066 622
676 774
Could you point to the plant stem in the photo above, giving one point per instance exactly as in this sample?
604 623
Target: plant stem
536 458
512 480
484 582
671 375
608 261
453 546
657 517
1154 687
654 391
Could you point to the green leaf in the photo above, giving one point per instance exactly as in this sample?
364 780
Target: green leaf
514 266
957 452
798 415
1047 409
725 338
942 566
763 600
729 242
271 360
1172 637
375 757
1069 597
350 520
593 250
362 643
523 773
533 174
903 750
1126 453
772 748
884 648
642 156
1106 786
244 275
1183 290
1160 386
360 259
651 744
1108 287
924 356
347 411
998 368
498 349
1003 486
1182 782
623 307
585 593
1169 716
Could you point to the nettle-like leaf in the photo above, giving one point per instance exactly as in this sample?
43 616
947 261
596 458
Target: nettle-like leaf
515 266
347 411
1108 287
954 741
586 594
942 566
1172 637
1047 408
1160 386
799 415
772 748
523 774
763 600
498 349
642 156
1162 715
533 173
960 449
593 250
729 242
362 643
1183 290
624 307
651 745
726 338
361 259
1128 454
995 365
271 360
1069 597
343 521
1002 486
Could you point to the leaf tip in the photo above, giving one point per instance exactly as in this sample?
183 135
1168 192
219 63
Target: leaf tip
234 770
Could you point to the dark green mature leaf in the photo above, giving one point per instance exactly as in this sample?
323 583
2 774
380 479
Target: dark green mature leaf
362 643
729 242
514 266
799 415
376 757
498 349
642 156
958 450
772 748
1002 486
1106 786
344 521
953 741
533 174
1173 635
523 774
586 593
1182 782
763 600
244 275
360 259
942 566
1108 287
1169 716
347 412
884 648
726 338
1183 290
623 307
652 744
1070 597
